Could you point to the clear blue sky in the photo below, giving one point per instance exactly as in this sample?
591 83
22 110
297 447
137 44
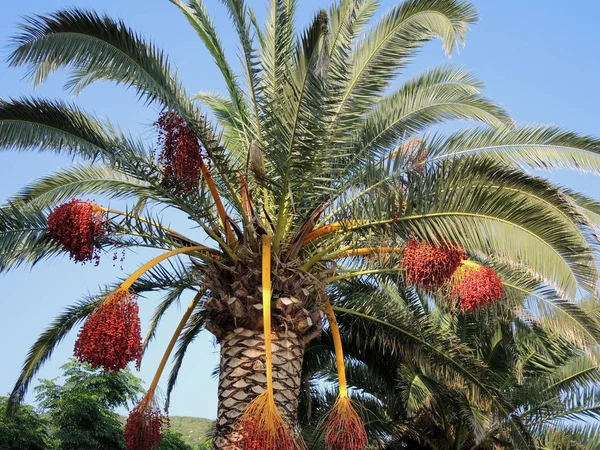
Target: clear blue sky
538 58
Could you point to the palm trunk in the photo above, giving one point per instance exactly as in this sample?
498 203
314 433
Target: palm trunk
242 378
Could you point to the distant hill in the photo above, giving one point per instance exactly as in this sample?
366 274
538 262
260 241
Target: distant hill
194 429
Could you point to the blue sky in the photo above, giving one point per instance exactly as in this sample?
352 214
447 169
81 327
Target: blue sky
537 58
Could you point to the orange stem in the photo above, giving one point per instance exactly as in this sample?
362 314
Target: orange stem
218 203
160 258
266 298
165 358
337 345
328 229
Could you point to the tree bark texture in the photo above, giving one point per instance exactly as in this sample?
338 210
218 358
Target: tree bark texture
243 377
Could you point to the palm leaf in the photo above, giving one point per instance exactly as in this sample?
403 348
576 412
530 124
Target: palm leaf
391 44
98 48
196 14
239 14
436 96
28 124
191 331
536 147
43 348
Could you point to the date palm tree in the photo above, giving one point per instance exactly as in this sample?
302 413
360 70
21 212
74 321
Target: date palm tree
314 170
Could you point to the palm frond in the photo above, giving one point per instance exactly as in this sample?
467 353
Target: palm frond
43 348
483 206
96 47
23 237
28 124
538 147
348 19
99 48
241 16
556 314
436 96
365 312
197 15
391 44
576 373
224 111
82 180
191 331
302 119
171 298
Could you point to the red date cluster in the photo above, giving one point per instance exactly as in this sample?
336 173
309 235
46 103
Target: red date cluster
428 265
478 287
111 335
144 427
344 429
180 154
258 436
77 226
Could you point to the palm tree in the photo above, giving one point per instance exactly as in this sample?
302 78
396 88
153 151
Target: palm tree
311 175
549 383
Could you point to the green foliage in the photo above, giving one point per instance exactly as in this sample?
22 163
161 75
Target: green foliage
409 399
23 430
173 440
80 409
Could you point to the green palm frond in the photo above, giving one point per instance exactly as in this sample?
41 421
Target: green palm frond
52 125
436 96
23 237
83 180
97 48
443 384
417 395
172 297
390 45
275 55
556 314
297 150
241 16
538 147
392 325
577 372
43 348
348 20
196 14
582 404
575 437
589 207
224 111
191 331
484 207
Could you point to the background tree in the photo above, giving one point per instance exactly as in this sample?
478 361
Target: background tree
551 383
316 173
25 429
81 409
173 440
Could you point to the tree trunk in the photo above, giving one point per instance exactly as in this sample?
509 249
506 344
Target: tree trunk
242 378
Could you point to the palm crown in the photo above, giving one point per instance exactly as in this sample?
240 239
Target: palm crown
312 174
